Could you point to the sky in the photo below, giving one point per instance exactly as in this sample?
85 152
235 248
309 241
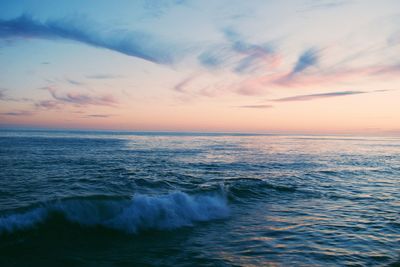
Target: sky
290 66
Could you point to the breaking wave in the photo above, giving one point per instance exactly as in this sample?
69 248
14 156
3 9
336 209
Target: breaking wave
168 211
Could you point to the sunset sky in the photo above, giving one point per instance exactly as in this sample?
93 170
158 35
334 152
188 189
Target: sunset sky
299 66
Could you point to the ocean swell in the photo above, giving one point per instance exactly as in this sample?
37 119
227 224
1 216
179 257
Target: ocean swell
161 212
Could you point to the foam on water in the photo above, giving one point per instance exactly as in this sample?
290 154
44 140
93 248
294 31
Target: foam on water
169 211
21 221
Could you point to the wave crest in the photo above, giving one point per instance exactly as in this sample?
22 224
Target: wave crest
169 211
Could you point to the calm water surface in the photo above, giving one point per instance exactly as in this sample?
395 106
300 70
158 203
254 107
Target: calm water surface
143 199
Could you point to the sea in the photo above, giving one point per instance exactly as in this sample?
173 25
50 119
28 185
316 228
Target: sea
101 198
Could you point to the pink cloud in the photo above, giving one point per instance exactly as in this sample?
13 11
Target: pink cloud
258 85
81 99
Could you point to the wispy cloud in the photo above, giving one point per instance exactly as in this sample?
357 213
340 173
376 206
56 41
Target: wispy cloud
262 106
47 104
103 76
198 85
98 116
334 75
257 85
181 86
131 43
214 57
325 4
238 54
312 97
317 96
74 82
4 97
392 69
82 99
222 55
158 8
307 59
17 113
253 55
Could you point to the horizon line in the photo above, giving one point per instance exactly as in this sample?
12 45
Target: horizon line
198 132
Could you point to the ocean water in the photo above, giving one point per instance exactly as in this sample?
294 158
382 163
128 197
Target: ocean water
173 199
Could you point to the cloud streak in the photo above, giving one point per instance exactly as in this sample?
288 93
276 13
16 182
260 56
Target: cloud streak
103 76
262 106
74 82
307 59
294 77
182 85
238 54
17 113
325 4
98 116
80 99
312 97
47 104
257 85
253 55
318 96
4 97
131 43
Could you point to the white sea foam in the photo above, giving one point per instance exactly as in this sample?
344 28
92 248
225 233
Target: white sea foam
22 221
169 211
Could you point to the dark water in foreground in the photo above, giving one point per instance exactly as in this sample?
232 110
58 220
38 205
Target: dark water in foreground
119 199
